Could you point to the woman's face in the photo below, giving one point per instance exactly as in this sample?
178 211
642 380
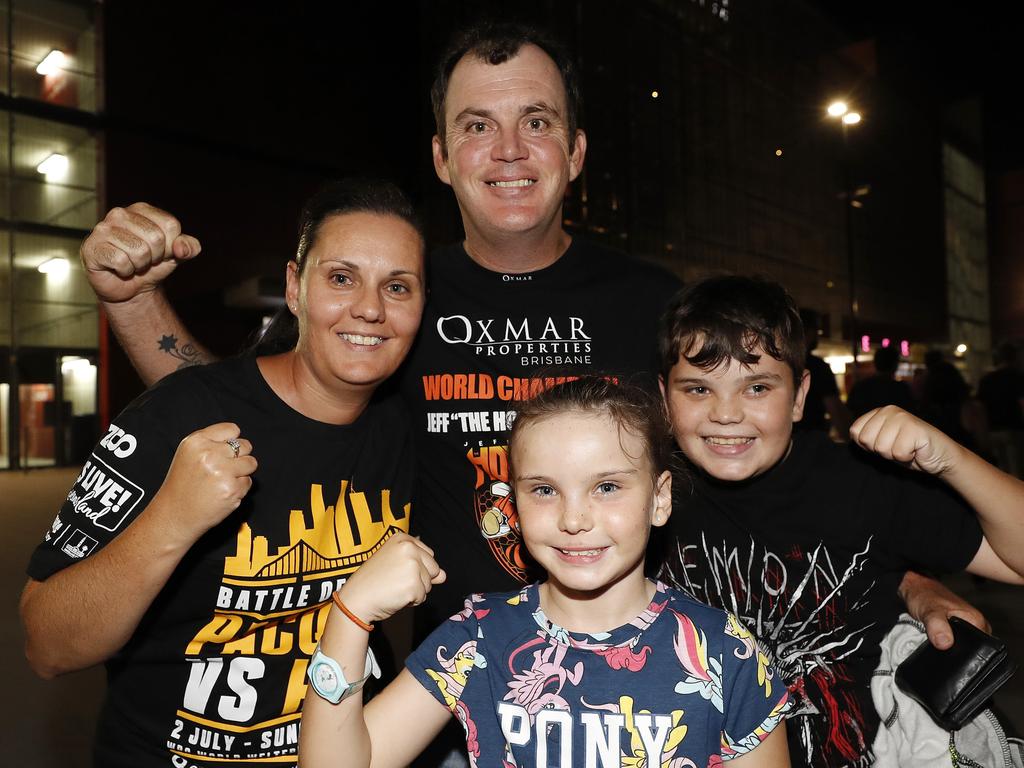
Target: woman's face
359 298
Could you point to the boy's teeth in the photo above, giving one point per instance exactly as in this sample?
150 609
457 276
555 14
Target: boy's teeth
728 440
365 341
516 183
581 552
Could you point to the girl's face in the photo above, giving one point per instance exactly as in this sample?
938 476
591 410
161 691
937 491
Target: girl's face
360 297
587 497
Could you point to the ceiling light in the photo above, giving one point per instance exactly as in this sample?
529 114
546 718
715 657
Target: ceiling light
56 165
851 118
57 266
53 63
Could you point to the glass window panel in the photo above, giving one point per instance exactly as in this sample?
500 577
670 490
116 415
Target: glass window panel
5 290
45 25
54 309
67 199
3 51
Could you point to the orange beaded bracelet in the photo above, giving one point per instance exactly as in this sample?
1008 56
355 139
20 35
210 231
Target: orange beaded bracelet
355 619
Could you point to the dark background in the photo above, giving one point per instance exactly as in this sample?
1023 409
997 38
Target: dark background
229 114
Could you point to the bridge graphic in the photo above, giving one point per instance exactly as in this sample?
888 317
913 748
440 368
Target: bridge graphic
342 537
302 558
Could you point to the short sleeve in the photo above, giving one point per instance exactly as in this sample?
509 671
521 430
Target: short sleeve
929 527
444 662
754 698
118 479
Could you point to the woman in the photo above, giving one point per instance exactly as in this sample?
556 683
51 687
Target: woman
202 578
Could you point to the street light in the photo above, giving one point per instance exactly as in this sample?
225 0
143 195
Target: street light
841 110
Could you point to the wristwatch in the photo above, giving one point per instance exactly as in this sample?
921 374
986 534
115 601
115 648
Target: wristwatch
329 681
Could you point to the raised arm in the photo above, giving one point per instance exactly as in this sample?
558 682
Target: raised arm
125 258
401 573
85 613
997 498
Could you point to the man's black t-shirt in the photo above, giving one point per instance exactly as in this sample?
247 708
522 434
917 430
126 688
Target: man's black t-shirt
876 391
1001 392
823 385
809 556
215 673
488 340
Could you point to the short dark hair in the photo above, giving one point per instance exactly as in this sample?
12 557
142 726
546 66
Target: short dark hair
496 43
727 318
631 407
350 195
887 359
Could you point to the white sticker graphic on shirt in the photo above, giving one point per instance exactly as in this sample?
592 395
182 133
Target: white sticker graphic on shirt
78 544
103 495
119 442
55 529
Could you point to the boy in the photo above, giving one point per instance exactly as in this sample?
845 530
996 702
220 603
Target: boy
804 540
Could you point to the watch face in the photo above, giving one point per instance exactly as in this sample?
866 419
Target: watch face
325 678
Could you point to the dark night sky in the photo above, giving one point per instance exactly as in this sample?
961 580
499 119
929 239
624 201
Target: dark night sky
967 50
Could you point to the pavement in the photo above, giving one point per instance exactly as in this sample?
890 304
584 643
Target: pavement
50 724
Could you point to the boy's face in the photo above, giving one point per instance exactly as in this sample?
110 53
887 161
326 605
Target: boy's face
734 422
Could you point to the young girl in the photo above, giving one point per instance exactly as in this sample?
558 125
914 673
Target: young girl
594 666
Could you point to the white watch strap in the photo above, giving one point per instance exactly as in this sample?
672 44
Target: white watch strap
344 688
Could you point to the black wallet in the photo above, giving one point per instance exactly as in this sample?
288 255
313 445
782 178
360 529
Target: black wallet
954 685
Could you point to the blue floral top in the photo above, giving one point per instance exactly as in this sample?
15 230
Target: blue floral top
682 681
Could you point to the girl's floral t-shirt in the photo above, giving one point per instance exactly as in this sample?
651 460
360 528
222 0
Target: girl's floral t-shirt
681 685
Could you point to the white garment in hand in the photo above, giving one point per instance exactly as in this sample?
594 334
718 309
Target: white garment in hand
909 738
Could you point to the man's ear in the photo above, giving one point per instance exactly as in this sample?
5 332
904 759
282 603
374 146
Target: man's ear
440 160
579 151
662 499
801 395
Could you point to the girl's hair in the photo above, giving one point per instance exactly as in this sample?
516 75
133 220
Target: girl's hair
352 195
631 407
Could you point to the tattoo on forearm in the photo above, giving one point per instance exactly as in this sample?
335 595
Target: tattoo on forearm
187 354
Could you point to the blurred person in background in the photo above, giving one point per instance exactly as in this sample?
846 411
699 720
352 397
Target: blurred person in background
883 388
1001 392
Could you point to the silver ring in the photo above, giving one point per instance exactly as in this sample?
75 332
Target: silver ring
235 445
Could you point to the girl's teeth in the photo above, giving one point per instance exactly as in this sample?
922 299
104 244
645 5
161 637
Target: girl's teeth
581 552
728 440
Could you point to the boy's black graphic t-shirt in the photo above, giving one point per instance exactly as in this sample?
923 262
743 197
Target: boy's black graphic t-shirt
215 673
489 340
809 556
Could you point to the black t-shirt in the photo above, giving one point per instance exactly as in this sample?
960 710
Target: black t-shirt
215 673
876 391
1002 391
809 556
484 338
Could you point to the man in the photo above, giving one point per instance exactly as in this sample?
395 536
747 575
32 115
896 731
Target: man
1001 392
882 388
823 410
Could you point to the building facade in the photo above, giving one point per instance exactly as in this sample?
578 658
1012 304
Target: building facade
50 158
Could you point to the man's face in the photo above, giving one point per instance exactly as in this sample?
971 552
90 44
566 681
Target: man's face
734 422
508 156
